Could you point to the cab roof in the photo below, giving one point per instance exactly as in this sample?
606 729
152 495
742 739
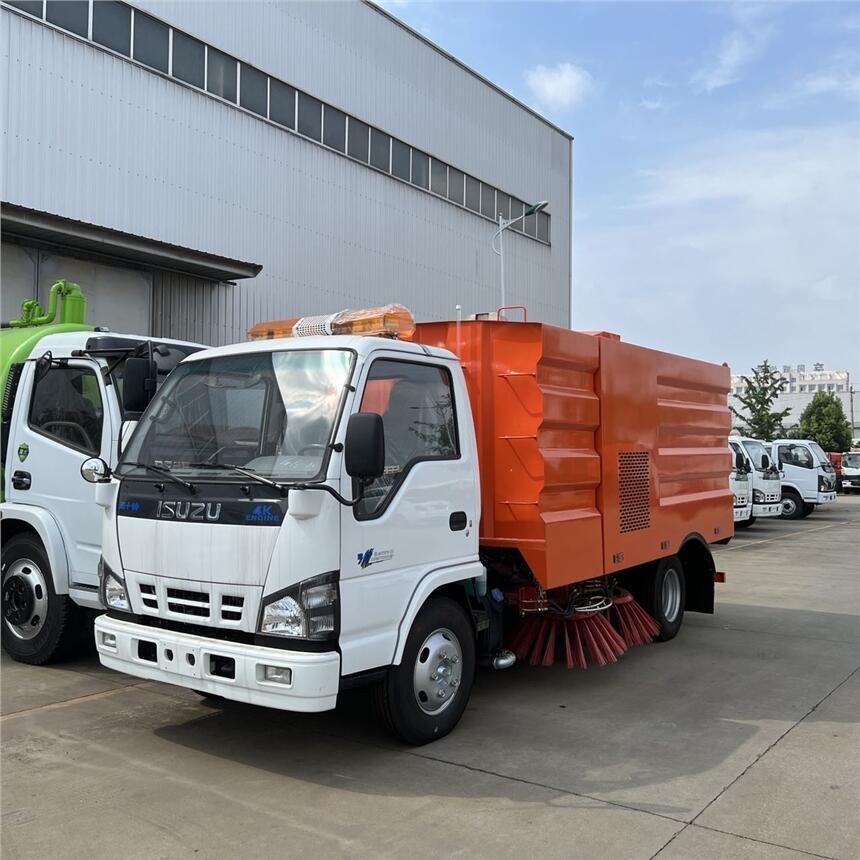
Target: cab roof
63 344
359 344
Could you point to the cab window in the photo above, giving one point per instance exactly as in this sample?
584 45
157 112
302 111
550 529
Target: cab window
67 406
796 455
416 402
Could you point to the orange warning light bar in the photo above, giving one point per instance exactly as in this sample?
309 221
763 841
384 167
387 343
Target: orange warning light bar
383 321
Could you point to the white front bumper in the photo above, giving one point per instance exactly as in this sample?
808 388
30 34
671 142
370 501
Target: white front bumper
826 498
186 661
742 514
771 509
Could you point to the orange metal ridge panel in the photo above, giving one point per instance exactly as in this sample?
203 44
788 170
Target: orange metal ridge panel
595 455
536 413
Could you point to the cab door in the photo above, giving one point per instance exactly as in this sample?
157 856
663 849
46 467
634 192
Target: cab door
421 515
800 468
61 420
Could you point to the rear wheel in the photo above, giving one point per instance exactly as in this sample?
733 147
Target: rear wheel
792 505
424 697
666 598
745 524
38 624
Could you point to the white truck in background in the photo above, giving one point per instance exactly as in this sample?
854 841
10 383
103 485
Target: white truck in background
765 484
70 392
851 472
807 476
740 484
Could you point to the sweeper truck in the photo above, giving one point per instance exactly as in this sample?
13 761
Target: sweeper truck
69 389
357 499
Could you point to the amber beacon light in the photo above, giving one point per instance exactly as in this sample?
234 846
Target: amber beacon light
383 321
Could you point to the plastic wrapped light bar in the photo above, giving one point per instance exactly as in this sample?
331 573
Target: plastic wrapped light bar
383 321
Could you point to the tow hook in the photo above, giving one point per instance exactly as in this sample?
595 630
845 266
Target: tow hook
504 659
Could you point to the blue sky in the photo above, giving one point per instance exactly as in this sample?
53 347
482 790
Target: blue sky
716 163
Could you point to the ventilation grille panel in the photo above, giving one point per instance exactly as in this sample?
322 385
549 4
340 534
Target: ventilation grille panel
634 482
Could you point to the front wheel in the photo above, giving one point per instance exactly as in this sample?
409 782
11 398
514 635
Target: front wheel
745 524
38 624
667 598
792 505
808 508
424 697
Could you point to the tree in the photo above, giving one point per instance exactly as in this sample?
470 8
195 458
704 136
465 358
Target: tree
824 421
760 391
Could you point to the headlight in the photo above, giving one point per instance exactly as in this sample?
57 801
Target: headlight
758 497
735 497
307 610
112 588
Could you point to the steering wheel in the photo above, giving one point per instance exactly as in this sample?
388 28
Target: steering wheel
82 434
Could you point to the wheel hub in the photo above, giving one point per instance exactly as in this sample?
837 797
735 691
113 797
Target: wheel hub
18 600
25 599
671 595
438 671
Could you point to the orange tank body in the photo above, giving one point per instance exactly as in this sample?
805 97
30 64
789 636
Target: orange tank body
595 455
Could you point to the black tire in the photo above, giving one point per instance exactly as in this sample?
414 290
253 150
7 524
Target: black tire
792 505
745 524
667 612
395 696
61 624
808 508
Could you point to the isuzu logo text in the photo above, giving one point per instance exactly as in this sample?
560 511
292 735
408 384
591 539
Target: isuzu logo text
198 511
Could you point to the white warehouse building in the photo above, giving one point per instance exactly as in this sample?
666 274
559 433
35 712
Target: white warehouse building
199 167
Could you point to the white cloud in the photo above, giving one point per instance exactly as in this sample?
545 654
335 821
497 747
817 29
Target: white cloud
652 104
560 87
734 251
739 47
838 80
656 81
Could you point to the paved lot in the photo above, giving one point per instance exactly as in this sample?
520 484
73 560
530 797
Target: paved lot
738 739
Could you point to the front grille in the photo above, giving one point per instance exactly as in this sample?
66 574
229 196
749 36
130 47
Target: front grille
634 482
184 602
148 596
231 607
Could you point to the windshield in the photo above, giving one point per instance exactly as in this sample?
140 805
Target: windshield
272 413
756 451
852 461
823 459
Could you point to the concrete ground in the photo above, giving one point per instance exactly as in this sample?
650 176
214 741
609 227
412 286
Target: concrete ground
738 739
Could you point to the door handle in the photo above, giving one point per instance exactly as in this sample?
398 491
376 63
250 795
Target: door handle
457 521
21 480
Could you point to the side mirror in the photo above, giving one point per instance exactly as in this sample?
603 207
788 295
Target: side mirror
765 462
138 386
740 462
364 452
95 471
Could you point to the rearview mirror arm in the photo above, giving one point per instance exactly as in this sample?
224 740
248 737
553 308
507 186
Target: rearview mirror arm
348 503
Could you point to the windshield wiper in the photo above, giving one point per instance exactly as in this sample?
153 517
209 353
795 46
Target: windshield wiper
159 471
282 488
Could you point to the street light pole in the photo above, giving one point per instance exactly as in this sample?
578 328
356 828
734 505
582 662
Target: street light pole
504 224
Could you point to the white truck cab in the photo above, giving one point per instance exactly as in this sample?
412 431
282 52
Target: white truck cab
766 489
309 562
807 476
740 484
851 472
62 405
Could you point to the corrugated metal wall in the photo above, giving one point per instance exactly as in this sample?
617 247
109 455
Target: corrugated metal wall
93 137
